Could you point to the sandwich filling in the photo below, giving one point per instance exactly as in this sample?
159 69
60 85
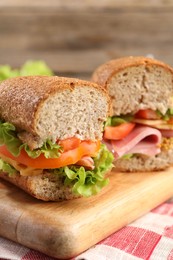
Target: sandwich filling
82 163
145 133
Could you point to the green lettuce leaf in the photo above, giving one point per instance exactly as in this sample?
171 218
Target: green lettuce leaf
9 137
118 120
6 167
29 68
49 150
86 182
35 68
167 115
128 156
7 72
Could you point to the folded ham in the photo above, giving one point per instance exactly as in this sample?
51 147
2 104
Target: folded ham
142 140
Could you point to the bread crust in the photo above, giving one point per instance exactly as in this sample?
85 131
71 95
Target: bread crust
104 73
22 97
143 163
46 187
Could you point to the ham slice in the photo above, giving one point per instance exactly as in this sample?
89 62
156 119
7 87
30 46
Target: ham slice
145 147
143 140
87 162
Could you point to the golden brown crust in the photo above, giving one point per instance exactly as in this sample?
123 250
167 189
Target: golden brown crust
47 187
143 163
20 182
22 97
103 73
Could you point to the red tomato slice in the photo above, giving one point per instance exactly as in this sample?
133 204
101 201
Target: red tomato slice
86 148
69 143
118 132
147 114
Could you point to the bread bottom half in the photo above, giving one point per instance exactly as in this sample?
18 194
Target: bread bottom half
47 186
144 163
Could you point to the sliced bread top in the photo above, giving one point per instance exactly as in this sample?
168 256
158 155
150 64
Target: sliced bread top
43 107
136 83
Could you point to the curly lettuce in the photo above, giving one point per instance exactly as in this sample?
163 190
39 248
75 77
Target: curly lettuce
35 68
30 67
7 72
86 182
167 115
6 167
118 120
8 137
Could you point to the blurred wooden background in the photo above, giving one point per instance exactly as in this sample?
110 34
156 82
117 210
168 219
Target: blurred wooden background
74 37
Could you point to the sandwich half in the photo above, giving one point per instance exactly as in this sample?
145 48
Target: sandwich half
140 131
50 136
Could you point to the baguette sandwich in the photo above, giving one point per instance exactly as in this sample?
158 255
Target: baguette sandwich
50 133
140 131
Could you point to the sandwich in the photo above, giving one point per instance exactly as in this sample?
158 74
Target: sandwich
50 136
140 131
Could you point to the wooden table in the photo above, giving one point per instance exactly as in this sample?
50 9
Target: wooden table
74 37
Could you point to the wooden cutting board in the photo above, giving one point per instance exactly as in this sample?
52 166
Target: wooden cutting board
65 229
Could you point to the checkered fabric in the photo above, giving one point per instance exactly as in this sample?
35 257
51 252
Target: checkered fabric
149 237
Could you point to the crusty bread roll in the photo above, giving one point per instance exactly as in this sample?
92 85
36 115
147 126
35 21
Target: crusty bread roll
138 83
51 108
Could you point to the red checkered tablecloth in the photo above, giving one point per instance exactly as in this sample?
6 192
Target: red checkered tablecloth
149 237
